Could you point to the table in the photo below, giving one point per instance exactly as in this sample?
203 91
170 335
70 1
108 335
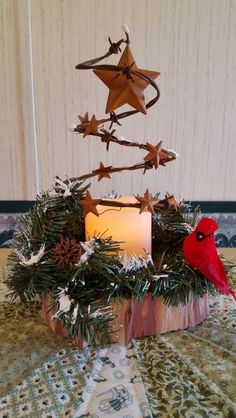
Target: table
180 374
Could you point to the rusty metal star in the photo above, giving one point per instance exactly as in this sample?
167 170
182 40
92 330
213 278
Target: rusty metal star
91 127
125 87
89 204
154 154
147 202
102 171
84 119
172 201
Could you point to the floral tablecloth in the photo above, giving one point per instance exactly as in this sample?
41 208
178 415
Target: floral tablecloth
188 373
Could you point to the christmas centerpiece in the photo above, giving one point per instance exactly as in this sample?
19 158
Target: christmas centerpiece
110 269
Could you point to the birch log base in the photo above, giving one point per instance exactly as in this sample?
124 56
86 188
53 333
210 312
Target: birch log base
138 319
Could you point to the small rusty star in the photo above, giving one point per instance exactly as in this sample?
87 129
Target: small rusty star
91 127
154 154
102 171
89 204
172 201
84 119
147 202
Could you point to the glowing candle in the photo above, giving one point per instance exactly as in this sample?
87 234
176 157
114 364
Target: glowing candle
122 224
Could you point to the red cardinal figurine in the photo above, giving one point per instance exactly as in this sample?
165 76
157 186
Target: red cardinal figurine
200 253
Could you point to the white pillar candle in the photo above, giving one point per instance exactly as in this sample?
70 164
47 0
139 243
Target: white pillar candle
122 224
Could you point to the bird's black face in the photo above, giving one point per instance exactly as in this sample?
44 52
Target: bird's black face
201 236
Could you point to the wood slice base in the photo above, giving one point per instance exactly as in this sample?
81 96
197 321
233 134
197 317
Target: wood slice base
139 319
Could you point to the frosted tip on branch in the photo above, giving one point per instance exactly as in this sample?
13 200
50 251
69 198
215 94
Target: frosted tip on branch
125 29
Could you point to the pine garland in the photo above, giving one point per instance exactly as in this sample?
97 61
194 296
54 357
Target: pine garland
51 258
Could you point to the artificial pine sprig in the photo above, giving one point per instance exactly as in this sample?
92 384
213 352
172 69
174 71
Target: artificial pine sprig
170 229
180 282
91 322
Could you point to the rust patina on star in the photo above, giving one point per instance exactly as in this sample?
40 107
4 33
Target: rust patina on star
147 202
102 171
154 154
173 203
124 86
87 126
89 204
84 119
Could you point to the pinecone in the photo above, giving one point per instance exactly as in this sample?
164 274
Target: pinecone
67 252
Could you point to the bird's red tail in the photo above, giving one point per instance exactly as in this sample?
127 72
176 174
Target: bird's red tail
232 293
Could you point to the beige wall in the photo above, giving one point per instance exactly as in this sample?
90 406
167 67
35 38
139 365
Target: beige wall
192 44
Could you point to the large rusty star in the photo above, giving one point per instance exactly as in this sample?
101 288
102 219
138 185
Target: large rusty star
125 87
154 154
89 204
147 202
102 171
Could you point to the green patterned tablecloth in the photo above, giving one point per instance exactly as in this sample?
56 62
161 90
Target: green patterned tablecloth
180 374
